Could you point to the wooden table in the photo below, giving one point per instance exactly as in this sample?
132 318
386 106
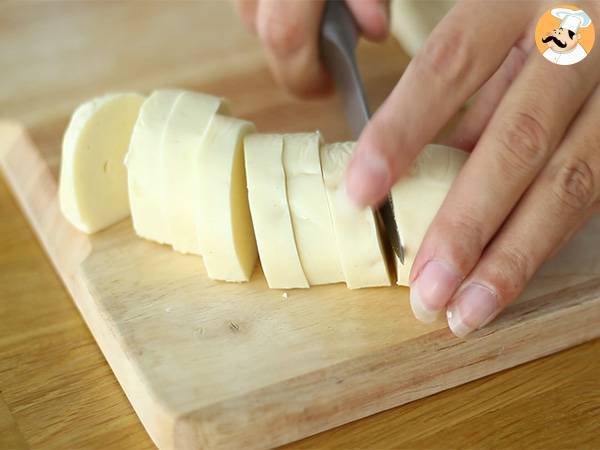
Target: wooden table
56 390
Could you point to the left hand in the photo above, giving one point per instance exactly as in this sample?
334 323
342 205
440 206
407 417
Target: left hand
289 32
532 179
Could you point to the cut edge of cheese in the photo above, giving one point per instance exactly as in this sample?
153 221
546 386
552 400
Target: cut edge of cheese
269 209
224 225
93 181
184 133
309 209
143 166
362 253
418 196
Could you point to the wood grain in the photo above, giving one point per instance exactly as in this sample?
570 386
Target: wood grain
10 435
51 370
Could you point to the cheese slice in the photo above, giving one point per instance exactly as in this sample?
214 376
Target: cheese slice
143 163
270 212
418 196
361 251
93 180
224 224
183 136
309 209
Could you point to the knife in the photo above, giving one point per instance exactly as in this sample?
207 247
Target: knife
339 35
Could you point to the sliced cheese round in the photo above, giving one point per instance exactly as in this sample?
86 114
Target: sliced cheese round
309 209
224 224
359 243
93 180
143 163
185 129
270 212
418 196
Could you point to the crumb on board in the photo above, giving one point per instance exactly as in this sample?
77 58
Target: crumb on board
168 309
284 295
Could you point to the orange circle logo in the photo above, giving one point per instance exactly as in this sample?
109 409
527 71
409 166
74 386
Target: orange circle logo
564 35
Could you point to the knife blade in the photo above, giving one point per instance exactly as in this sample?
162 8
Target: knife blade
339 36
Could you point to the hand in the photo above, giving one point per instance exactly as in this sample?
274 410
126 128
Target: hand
289 31
534 173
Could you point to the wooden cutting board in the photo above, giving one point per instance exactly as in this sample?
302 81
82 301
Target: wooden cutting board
216 365
208 364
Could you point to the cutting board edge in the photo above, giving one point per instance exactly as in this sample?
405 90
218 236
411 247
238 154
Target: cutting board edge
235 420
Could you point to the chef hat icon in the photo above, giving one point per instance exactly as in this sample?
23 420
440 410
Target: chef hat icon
571 20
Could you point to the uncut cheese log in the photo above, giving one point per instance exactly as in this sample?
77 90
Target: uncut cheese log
143 161
183 138
93 180
360 247
309 209
418 196
268 200
224 225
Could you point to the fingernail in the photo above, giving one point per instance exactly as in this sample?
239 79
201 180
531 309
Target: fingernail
367 178
432 289
473 308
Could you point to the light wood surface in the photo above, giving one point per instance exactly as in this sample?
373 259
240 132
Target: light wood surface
54 377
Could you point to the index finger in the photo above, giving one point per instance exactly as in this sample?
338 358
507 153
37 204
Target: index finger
462 52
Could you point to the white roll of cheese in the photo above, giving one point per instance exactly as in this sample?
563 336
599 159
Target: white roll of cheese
200 181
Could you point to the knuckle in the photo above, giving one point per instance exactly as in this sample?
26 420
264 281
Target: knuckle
509 273
574 185
446 55
464 239
523 143
311 83
469 226
282 37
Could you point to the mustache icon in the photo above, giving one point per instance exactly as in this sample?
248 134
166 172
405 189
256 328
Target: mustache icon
556 41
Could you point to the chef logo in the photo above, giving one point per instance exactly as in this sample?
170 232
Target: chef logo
564 35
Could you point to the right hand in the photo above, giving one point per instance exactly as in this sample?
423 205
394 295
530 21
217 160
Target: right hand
289 31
